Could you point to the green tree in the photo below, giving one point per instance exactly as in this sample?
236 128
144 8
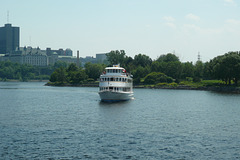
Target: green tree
116 57
188 70
77 77
168 58
226 67
142 60
173 69
157 77
59 75
72 67
198 71
94 70
140 72
59 64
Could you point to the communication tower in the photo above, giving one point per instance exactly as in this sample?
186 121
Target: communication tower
199 57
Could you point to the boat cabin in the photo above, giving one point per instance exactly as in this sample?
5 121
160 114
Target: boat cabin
115 71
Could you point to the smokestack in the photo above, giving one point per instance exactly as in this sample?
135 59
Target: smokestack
78 58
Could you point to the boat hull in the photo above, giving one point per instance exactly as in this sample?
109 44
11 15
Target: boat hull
110 96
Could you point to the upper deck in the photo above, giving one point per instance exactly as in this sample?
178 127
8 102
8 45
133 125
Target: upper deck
115 71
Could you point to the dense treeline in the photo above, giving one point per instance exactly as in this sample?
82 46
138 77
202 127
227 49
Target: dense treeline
168 68
24 72
76 75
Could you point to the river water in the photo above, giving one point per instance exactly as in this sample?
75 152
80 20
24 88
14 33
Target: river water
42 122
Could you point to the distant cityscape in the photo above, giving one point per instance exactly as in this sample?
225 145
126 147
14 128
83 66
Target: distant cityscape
11 51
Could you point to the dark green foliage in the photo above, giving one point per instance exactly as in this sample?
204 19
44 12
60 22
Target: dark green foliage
172 68
198 71
23 72
168 58
94 70
157 77
187 70
77 77
117 57
226 67
142 60
139 73
72 75
59 64
59 75
166 69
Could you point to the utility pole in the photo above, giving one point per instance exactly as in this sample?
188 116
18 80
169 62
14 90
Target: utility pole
199 57
78 61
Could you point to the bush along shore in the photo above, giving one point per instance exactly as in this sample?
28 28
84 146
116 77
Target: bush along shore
222 89
210 85
220 74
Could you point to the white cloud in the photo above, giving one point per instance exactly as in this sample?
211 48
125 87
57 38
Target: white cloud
229 1
192 17
171 25
232 25
233 22
170 22
203 31
169 18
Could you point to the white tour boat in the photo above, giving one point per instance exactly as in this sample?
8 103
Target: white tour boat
115 84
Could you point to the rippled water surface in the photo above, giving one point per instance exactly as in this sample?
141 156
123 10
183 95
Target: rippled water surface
41 122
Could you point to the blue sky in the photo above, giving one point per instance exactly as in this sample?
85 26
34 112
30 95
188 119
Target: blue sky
151 27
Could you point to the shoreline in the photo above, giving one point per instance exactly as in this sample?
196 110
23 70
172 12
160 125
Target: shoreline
12 80
221 89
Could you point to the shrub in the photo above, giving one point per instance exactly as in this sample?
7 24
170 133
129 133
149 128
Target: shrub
190 79
161 84
169 79
173 84
157 77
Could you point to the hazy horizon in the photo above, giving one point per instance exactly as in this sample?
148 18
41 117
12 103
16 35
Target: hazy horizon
150 27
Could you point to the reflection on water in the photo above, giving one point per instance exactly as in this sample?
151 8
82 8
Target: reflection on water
41 122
